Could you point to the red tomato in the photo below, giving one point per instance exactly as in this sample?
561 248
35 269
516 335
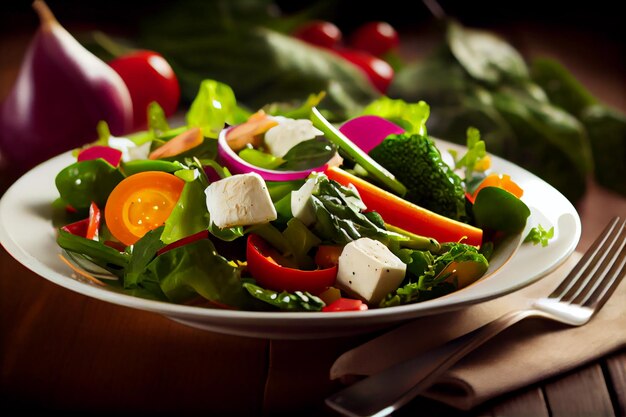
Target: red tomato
270 274
377 38
378 71
320 33
149 77
346 304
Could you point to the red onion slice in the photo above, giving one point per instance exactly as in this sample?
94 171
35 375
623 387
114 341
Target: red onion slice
236 165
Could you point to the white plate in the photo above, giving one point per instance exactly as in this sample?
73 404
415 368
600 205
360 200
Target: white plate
27 233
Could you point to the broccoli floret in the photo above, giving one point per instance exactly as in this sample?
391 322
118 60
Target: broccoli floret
431 183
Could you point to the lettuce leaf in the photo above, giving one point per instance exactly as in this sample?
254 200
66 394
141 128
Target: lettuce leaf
197 269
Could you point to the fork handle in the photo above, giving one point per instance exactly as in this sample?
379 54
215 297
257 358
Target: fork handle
381 394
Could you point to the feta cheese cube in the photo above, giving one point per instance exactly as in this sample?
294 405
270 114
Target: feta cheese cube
239 200
301 205
288 133
369 270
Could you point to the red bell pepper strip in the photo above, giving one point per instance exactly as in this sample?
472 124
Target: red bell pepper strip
87 228
93 223
406 215
78 228
269 274
345 304
184 241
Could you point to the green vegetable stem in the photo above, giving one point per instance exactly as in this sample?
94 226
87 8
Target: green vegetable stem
358 156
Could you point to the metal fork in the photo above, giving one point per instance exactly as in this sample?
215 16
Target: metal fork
574 302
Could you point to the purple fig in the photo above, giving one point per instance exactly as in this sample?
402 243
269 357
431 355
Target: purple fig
61 93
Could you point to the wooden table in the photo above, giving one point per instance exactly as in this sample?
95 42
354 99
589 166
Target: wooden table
61 351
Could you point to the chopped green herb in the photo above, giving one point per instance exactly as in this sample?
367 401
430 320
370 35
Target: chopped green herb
539 235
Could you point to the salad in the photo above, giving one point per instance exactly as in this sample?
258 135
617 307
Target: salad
280 209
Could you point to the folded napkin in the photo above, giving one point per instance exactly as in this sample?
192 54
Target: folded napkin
526 353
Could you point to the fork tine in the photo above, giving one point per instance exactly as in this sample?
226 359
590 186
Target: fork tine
570 286
596 297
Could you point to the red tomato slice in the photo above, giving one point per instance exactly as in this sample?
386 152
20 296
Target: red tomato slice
269 274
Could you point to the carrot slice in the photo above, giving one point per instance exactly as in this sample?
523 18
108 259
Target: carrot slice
406 215
140 203
241 135
183 142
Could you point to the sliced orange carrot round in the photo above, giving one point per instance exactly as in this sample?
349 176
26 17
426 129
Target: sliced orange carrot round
140 203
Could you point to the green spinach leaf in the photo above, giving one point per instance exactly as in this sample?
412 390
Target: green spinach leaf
197 269
97 252
484 55
297 301
85 182
308 154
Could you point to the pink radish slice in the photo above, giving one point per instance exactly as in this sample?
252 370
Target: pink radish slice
368 131
111 155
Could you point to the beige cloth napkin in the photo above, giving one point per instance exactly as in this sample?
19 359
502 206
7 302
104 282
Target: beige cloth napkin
526 353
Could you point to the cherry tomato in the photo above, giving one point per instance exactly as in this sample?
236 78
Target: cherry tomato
377 38
269 274
320 33
149 77
378 71
140 203
345 304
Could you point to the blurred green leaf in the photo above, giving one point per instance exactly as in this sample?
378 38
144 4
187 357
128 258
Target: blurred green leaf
485 55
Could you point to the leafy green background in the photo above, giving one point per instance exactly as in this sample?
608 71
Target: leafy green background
535 114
